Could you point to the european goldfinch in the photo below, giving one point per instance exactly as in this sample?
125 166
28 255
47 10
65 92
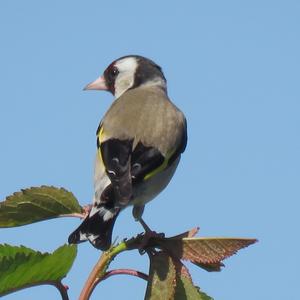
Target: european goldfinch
139 144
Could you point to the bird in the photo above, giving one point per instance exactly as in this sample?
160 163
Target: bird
139 145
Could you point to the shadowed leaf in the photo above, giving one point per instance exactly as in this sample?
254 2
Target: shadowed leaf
188 234
205 252
162 277
213 267
185 289
22 267
37 204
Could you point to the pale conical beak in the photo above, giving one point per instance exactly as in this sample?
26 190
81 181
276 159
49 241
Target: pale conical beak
98 84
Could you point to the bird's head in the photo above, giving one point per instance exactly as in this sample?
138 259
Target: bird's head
129 72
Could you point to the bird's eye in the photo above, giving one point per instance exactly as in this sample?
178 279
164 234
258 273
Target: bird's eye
114 72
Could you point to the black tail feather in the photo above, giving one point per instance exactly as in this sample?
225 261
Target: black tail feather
96 230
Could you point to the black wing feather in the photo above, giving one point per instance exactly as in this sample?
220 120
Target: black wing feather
144 160
126 168
116 155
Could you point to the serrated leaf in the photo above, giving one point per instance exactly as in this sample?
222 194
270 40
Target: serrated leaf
21 267
205 252
212 267
185 289
162 277
8 251
37 204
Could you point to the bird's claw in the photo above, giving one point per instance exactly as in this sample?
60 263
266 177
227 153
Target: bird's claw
145 245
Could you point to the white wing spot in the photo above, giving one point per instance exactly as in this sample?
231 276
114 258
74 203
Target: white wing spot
111 172
108 215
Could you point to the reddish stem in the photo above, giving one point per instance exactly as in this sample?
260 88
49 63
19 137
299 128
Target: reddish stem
124 272
63 290
86 295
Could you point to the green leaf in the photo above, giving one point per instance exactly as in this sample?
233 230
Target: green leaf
205 252
9 252
185 289
21 267
169 279
162 277
37 204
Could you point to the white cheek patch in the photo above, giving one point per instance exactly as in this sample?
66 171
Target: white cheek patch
127 67
127 64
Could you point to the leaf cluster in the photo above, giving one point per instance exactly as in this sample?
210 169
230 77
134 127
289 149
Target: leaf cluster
168 278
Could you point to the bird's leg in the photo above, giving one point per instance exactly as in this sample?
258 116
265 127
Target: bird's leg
145 226
137 214
149 234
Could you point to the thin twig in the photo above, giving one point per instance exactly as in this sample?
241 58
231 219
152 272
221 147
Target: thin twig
130 272
89 285
73 215
99 270
61 288
85 212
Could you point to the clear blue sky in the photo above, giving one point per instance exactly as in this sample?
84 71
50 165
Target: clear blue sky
232 67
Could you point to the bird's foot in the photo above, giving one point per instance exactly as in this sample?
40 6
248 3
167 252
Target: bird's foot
146 244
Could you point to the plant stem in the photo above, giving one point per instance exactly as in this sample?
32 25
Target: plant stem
99 270
73 215
124 272
62 289
108 274
89 285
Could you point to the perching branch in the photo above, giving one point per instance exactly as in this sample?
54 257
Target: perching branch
206 253
99 271
168 277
